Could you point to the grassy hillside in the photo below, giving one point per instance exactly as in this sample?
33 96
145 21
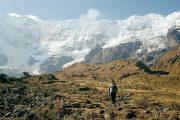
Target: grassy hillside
80 92
169 62
117 69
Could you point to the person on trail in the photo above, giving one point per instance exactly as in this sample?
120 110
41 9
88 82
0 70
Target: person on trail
112 91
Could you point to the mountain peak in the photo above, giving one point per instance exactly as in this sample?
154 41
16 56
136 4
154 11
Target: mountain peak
36 45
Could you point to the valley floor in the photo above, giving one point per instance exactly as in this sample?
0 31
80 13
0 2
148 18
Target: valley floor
141 97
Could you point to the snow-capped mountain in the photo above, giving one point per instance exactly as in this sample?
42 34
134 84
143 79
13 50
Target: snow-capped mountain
30 44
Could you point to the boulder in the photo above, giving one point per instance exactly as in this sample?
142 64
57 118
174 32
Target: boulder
26 74
4 78
130 114
31 117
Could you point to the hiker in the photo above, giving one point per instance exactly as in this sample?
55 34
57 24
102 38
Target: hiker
112 91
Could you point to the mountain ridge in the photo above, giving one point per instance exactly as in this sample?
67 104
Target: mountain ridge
31 43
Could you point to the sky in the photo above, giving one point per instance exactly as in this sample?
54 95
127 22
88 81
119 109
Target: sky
72 9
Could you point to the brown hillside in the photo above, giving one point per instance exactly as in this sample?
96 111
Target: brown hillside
116 69
80 92
169 62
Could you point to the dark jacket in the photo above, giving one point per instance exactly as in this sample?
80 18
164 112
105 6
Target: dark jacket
112 88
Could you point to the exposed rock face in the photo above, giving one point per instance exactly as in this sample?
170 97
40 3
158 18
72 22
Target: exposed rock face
129 50
170 60
53 64
173 35
122 51
92 54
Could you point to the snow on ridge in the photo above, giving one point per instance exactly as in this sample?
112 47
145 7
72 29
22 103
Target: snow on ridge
32 17
77 37
72 62
14 15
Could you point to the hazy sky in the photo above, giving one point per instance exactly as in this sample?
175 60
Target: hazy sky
70 9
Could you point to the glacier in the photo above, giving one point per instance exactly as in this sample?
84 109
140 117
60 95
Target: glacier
28 43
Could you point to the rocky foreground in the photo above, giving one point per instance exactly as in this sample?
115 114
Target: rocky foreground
80 92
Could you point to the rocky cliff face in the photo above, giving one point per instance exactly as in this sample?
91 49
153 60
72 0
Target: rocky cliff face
135 50
122 51
173 35
170 60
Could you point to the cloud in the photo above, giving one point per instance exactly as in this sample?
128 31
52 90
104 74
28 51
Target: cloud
92 14
34 18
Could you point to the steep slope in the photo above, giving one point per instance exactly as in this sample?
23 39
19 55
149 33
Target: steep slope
173 35
117 69
122 51
169 62
30 44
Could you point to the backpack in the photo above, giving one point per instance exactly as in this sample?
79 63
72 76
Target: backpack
112 88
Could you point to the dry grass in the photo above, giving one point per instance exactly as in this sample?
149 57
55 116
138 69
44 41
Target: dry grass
81 92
